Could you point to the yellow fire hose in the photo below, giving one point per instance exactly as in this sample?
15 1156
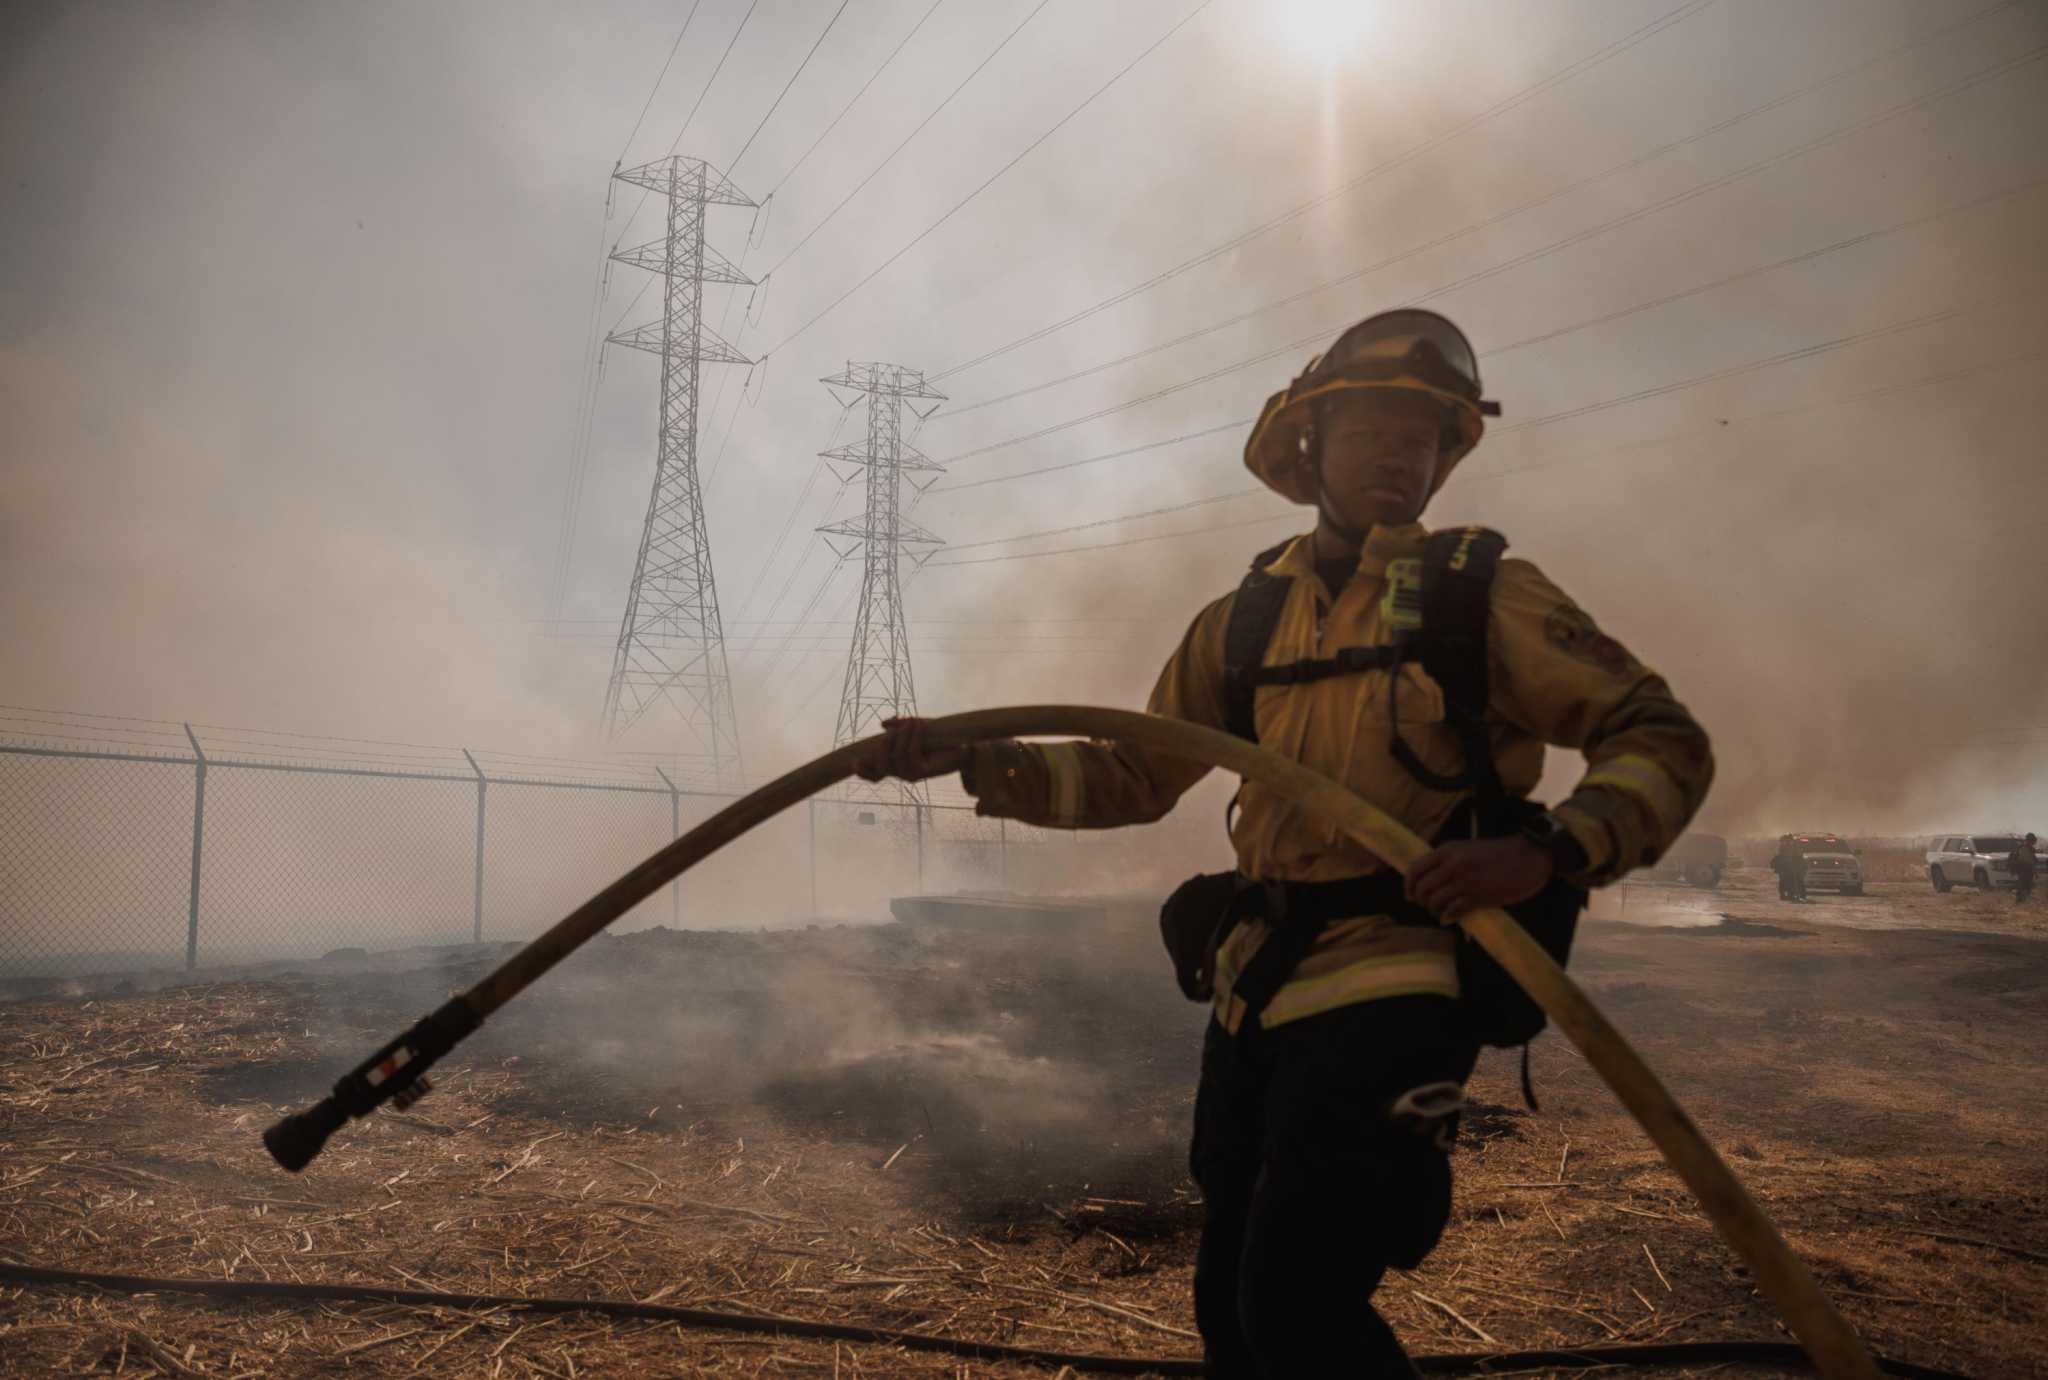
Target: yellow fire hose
395 1072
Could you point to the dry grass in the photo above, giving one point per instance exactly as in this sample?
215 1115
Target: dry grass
128 1141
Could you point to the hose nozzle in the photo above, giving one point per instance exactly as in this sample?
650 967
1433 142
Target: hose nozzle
395 1073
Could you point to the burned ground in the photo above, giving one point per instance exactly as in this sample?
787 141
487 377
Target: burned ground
981 1134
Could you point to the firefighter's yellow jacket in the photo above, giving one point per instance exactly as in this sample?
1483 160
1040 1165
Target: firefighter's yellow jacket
1554 677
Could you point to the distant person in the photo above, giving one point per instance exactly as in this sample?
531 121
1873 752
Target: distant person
2025 861
1790 865
1333 1070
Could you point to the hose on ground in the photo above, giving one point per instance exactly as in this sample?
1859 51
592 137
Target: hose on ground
393 1072
1458 1363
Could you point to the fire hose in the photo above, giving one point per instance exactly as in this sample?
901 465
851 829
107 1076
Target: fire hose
396 1072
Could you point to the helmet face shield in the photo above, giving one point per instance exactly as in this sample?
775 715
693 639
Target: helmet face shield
1396 337
1409 349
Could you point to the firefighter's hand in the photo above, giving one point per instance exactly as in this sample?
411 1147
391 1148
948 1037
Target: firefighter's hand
1475 875
902 753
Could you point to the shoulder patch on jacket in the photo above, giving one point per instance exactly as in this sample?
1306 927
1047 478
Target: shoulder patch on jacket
1571 631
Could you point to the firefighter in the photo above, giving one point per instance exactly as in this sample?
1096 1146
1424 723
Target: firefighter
1790 865
1329 1087
2024 862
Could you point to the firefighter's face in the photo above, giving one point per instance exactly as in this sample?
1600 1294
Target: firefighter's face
1379 451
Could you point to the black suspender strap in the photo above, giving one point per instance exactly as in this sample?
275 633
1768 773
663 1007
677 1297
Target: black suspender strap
1458 567
1254 613
1348 661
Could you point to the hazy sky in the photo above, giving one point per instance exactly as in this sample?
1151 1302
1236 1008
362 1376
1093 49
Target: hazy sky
294 303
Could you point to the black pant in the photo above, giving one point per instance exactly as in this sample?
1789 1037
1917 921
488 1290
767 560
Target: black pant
1310 1194
2023 886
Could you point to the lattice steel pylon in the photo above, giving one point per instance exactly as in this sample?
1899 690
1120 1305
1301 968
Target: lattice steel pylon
878 675
671 647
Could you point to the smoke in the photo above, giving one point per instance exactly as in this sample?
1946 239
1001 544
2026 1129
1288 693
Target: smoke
296 302
1014 1066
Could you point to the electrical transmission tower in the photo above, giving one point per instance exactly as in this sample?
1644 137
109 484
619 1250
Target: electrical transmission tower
671 648
878 677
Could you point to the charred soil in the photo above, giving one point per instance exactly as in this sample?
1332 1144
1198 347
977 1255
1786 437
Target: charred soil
980 1134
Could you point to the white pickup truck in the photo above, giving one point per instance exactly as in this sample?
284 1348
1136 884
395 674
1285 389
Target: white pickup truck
1982 860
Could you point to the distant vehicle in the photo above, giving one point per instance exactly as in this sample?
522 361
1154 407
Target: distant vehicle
1983 860
1695 860
1831 864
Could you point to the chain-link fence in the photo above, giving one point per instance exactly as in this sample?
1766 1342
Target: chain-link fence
250 848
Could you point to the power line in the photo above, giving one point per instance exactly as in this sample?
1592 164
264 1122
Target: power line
796 568
990 181
919 238
1450 237
795 511
764 638
766 566
734 166
800 162
676 143
1840 401
817 596
1843 400
778 692
1519 260
1736 370
1528 93
712 80
857 95
822 622
1849 242
1073 644
593 366
907 138
1663 300
591 373
1233 425
1128 541
659 78
782 537
1106 522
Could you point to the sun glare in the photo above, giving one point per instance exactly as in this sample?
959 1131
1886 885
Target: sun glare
1326 30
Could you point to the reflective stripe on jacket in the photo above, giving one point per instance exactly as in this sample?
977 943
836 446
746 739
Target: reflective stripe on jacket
1554 677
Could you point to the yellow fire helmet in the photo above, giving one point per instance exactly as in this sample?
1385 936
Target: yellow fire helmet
1405 348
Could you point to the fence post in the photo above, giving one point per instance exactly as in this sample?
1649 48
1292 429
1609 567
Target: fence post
675 829
198 834
476 931
917 808
1003 849
814 857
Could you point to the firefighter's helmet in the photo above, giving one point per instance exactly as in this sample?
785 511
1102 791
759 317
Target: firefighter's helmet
1406 348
